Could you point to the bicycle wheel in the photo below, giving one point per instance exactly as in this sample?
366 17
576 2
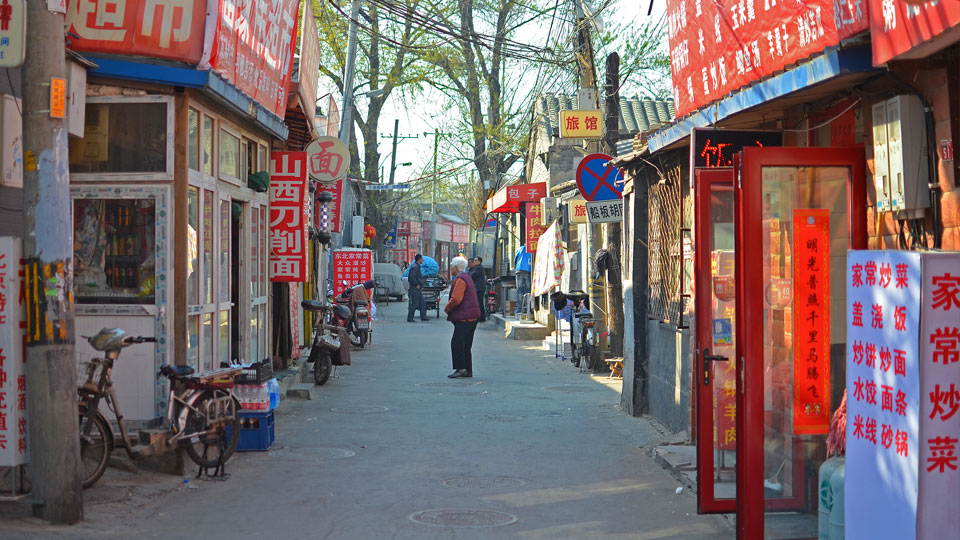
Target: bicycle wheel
322 364
96 444
206 450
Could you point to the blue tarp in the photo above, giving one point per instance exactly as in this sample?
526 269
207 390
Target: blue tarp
429 268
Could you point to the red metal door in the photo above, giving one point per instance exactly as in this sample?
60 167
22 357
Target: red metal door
715 370
782 194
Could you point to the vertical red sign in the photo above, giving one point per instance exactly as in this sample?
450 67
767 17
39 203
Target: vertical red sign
811 321
351 266
289 219
535 228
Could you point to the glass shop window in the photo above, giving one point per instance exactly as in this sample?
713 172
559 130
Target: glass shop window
193 139
114 253
229 155
122 138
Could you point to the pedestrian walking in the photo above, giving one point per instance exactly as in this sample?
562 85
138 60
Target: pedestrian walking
480 283
416 299
522 266
463 310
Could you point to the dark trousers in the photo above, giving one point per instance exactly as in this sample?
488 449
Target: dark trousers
461 343
483 305
416 301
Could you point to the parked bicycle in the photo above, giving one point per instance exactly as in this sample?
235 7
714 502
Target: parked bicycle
585 346
200 411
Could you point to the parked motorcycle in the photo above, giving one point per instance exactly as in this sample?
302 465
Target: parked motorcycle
325 341
357 319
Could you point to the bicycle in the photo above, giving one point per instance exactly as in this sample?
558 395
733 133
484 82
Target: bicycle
583 335
198 414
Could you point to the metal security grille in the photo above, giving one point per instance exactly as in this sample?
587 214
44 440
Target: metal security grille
666 248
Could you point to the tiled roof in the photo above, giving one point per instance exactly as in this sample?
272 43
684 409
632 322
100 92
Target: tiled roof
637 115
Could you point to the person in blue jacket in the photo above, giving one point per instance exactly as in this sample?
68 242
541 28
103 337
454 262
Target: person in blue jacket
521 265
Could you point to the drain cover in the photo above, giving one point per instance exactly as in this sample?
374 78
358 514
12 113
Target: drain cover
475 392
320 454
446 384
494 417
484 482
463 518
570 389
360 409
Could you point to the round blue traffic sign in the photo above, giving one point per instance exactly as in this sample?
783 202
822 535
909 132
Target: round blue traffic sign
597 180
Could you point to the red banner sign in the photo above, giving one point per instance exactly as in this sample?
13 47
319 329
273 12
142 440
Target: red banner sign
811 322
535 227
253 47
171 29
460 233
897 27
336 190
351 266
403 228
717 46
289 216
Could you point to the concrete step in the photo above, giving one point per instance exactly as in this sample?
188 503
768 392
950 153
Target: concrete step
302 391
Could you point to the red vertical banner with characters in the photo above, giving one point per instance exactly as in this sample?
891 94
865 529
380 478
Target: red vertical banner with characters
533 213
724 344
14 449
811 321
295 321
351 266
289 216
939 396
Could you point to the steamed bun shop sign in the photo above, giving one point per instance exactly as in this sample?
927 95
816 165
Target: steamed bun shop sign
903 395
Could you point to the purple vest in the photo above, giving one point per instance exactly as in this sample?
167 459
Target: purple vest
468 308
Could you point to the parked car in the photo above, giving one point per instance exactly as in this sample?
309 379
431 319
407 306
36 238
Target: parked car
388 275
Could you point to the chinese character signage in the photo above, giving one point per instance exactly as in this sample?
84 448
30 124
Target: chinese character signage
252 46
712 148
534 225
811 322
309 60
460 233
336 190
718 46
605 211
577 211
581 124
883 393
939 397
897 26
509 199
351 266
13 380
289 216
13 32
403 228
170 29
328 159
725 373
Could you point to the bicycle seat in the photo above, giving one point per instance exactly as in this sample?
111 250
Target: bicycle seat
312 305
177 371
583 314
577 296
108 339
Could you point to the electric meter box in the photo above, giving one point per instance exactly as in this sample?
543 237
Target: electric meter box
908 189
881 163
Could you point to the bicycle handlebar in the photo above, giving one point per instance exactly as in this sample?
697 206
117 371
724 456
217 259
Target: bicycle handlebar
140 339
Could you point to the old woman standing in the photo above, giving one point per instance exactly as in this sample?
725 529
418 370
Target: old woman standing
462 310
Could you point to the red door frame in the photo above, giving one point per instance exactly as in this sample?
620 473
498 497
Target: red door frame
702 268
749 270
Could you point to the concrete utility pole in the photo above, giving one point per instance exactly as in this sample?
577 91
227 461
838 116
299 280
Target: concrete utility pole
433 197
48 256
345 126
397 137
589 99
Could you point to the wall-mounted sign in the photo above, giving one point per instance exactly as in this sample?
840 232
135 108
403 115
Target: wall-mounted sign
156 28
58 96
910 29
711 147
14 448
581 124
13 32
719 46
534 225
289 216
328 159
351 266
577 211
605 211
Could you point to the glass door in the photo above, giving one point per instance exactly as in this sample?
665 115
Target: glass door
716 376
798 212
224 289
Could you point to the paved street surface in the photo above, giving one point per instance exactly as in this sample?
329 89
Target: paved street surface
527 449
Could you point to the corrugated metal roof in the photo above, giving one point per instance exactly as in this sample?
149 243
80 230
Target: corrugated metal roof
637 115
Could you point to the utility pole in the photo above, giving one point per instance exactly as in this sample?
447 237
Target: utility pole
48 264
614 288
393 155
345 126
589 99
433 197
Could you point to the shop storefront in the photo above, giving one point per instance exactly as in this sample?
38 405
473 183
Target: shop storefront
847 150
169 187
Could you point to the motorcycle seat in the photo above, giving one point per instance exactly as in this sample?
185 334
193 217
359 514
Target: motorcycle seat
312 305
583 315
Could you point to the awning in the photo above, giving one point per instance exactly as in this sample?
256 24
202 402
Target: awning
509 198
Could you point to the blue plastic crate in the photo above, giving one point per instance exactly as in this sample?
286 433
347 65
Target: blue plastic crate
256 431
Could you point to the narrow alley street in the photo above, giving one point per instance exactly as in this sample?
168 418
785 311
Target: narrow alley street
529 448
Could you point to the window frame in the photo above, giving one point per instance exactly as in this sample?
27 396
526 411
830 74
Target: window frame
238 135
135 176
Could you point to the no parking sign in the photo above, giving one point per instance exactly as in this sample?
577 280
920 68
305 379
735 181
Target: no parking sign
597 180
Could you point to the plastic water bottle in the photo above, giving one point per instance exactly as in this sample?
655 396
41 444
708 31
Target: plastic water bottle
274 388
263 400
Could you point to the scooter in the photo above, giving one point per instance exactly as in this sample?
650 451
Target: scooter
492 301
357 321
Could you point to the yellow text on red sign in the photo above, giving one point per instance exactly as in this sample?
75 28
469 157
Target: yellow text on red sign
581 124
